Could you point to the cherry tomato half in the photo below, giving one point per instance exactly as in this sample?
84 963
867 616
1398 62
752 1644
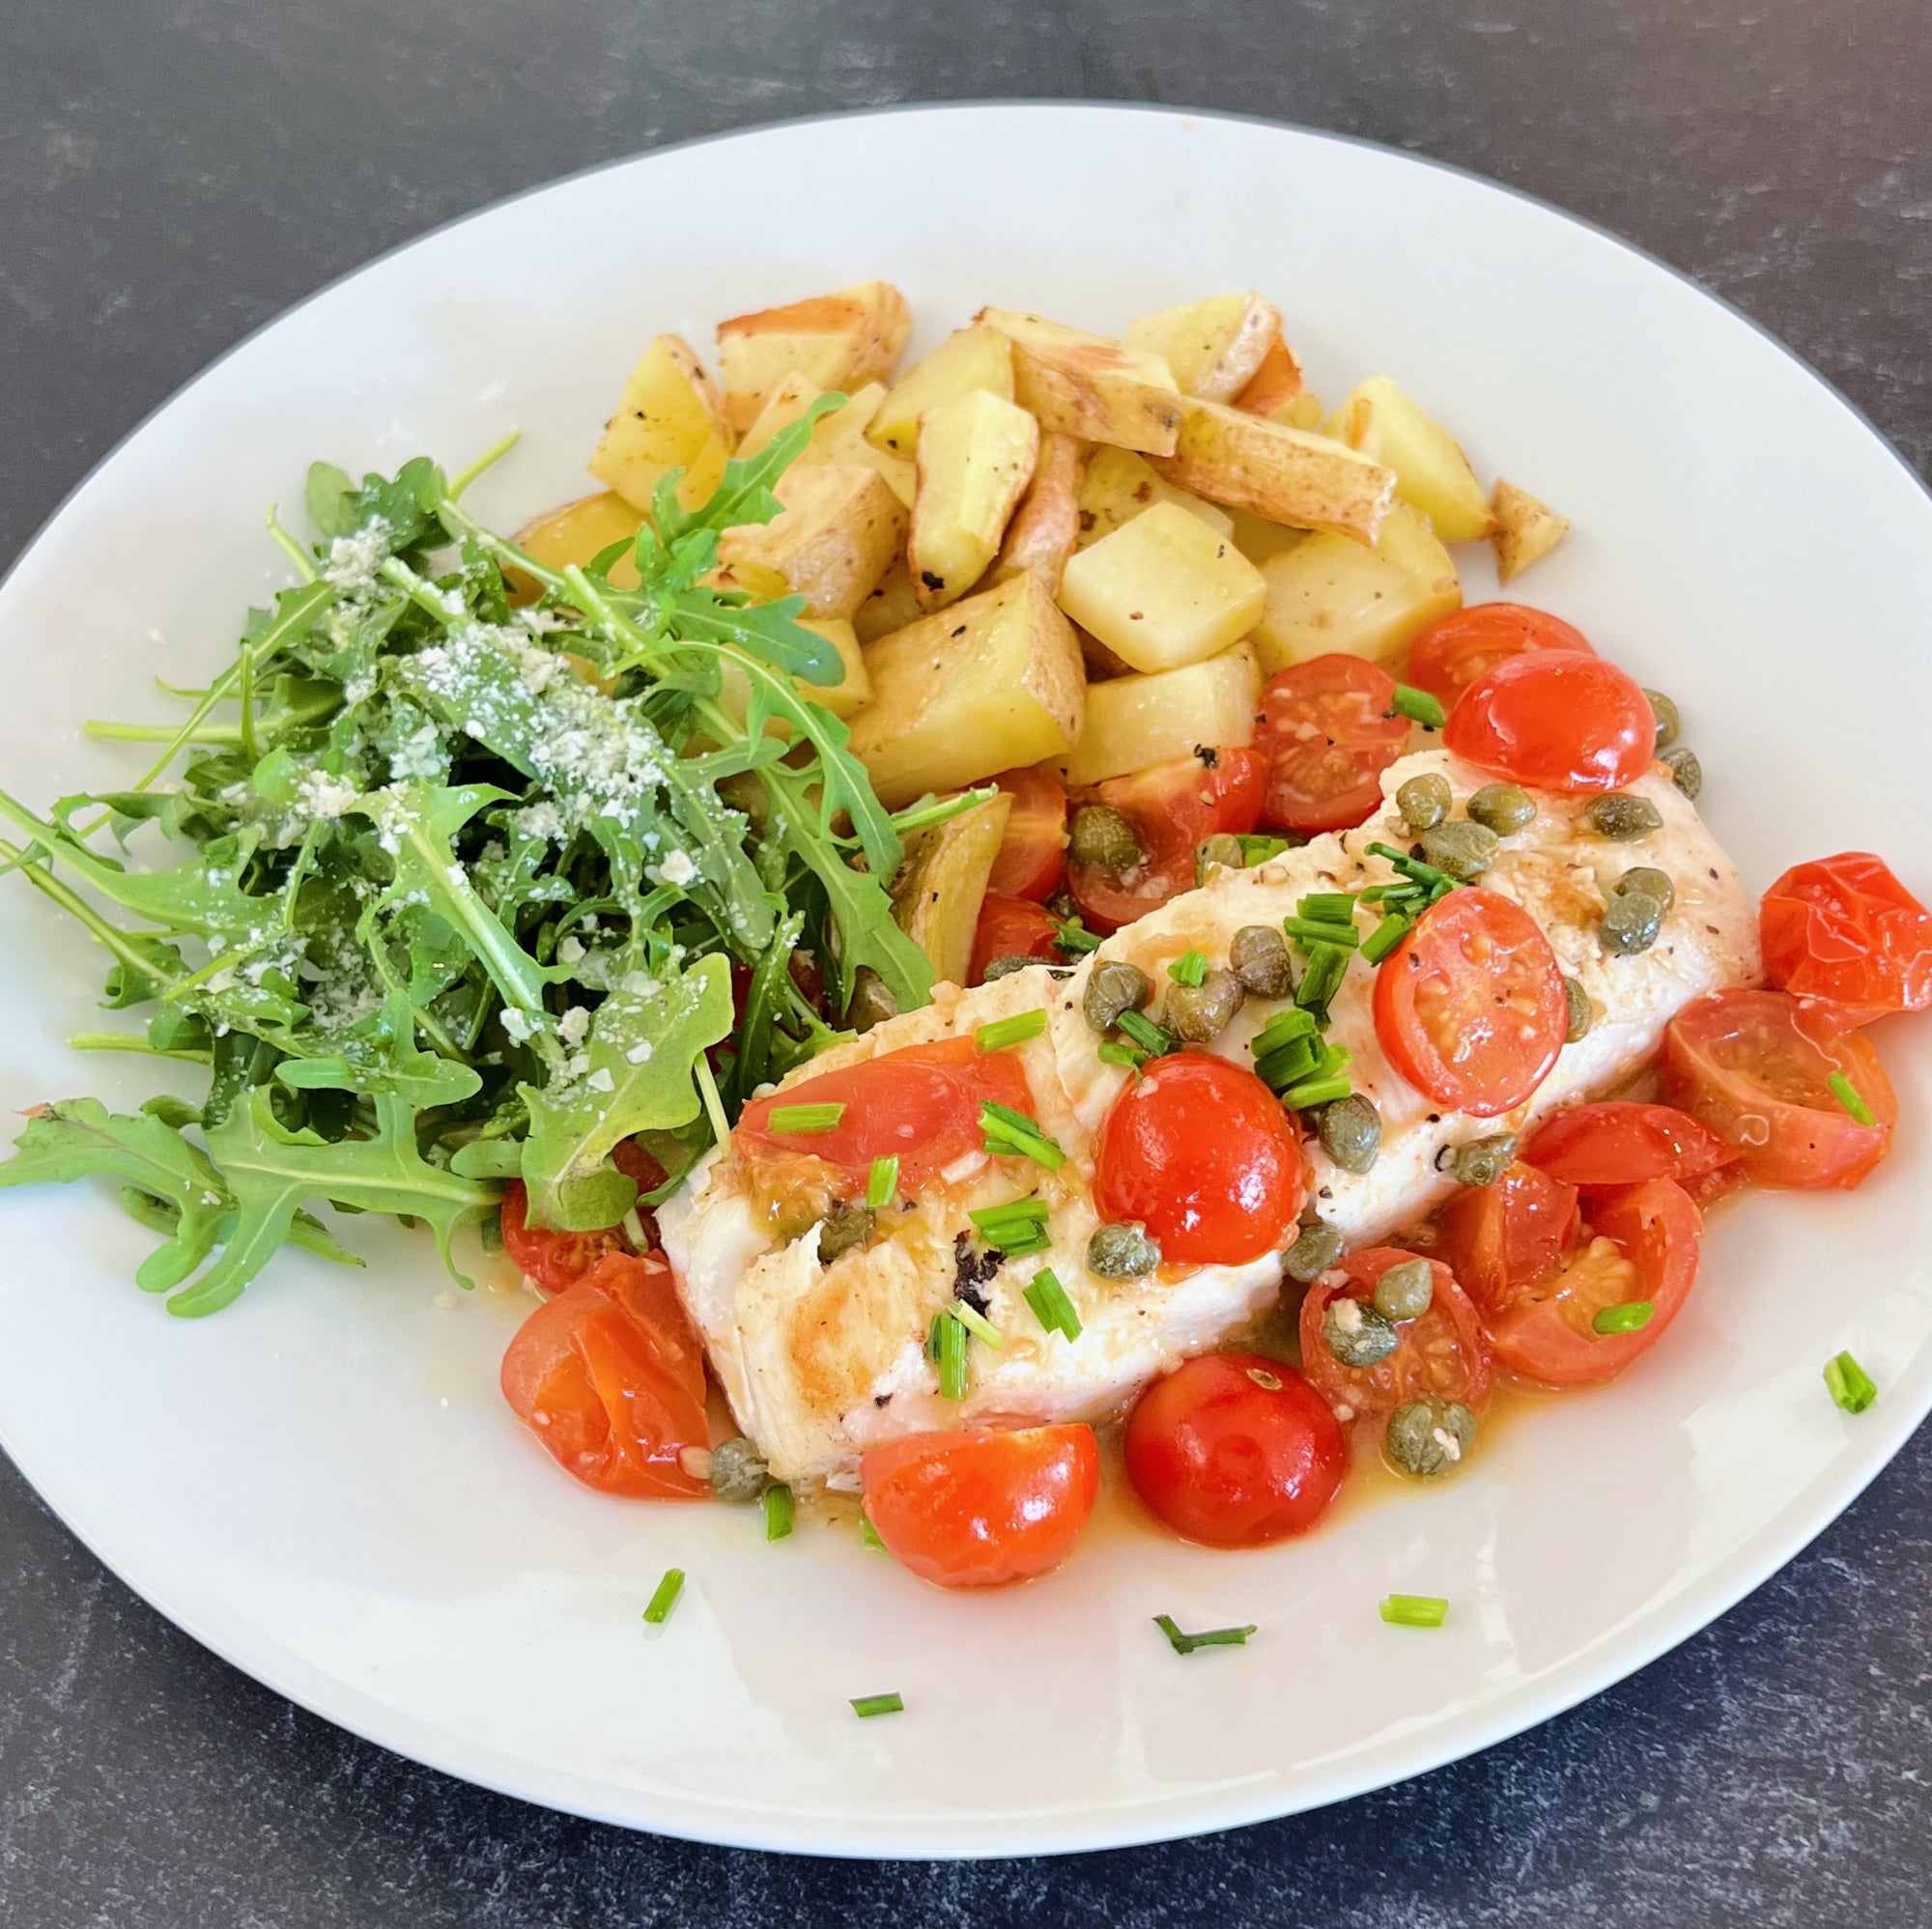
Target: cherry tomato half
1236 1451
1845 929
1328 730
977 1509
1011 927
1469 1007
1756 1067
1499 1240
552 1261
1032 857
1200 1153
1619 1143
1555 721
1451 654
610 1377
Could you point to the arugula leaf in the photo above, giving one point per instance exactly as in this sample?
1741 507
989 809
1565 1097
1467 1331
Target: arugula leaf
388 1060
330 498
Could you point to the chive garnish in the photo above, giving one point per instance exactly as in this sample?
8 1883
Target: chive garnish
1328 907
882 1183
1015 1229
1847 1095
1015 1031
1315 931
1629 1317
1156 1041
1117 1052
1413 869
666 1598
865 1706
979 1325
1418 706
867 1533
1313 1092
946 1342
1851 1388
1073 937
1257 847
1327 964
1414 1610
780 1512
797 1119
1385 937
1013 1135
1189 968
1214 1637
1051 1306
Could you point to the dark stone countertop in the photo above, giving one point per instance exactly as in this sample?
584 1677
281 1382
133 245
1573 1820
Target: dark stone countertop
173 172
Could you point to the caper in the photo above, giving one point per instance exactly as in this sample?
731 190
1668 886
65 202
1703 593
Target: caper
1668 722
1199 1012
1062 905
1219 849
872 1001
1351 1131
1405 1290
738 1472
1502 808
1103 840
1583 1014
1631 923
1650 882
1430 1436
1112 988
1479 1162
1686 772
1316 1249
1258 959
1007 966
843 1228
1424 801
1462 849
1622 817
1123 1252
1355 1333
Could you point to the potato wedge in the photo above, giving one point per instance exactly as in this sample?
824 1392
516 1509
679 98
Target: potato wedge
1330 593
1086 385
1214 349
841 437
844 699
1285 474
1431 470
1118 485
841 529
785 403
966 693
937 894
843 340
1046 525
1275 383
1137 721
975 457
576 533
668 418
1527 530
1164 590
1258 539
967 359
890 606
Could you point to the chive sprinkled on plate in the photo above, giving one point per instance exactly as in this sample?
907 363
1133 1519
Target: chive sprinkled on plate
1073 937
1414 1610
1418 706
1212 1637
1631 1317
1189 968
946 1347
1385 937
1016 1228
1012 1134
882 1182
1258 847
979 1325
780 1511
1156 1041
1001 1033
1117 1052
1315 931
1851 1388
666 1598
800 1119
1051 1306
1847 1095
1327 907
865 1706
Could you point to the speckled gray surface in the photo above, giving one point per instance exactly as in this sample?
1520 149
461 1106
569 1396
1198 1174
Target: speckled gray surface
172 172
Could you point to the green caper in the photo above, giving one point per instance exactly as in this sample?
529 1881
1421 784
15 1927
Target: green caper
1668 722
1104 840
1479 1162
1258 959
1430 1436
1112 988
1316 1249
1199 1012
1405 1290
1355 1333
1583 1014
1650 882
1219 849
1631 923
1686 772
872 1001
1460 847
1062 905
1123 1252
738 1472
1424 801
1007 966
1622 817
843 1228
1350 1131
1502 808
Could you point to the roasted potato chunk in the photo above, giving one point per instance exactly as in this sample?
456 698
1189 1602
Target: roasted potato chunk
937 894
668 418
1046 527
1086 385
1137 721
1431 470
574 532
1214 349
1119 486
966 360
1527 530
1275 383
841 529
890 606
975 457
836 437
1258 539
843 340
844 699
966 693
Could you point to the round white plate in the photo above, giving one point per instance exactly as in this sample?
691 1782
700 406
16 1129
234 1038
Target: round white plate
323 1485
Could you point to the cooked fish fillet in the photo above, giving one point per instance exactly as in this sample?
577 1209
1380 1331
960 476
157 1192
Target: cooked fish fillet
821 1362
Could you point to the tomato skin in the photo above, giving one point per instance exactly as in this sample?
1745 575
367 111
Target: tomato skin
1442 1354
1845 930
1173 807
1455 651
1469 1007
1200 1153
1618 1142
1032 858
1328 730
1756 1066
1555 721
978 1509
610 1377
1549 1337
548 1260
1011 927
1234 1451
1499 1240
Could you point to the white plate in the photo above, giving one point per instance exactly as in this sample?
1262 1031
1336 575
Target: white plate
322 1484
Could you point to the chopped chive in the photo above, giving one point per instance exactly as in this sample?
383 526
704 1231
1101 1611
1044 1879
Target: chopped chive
1012 1134
1315 931
1418 706
1851 1388
805 1117
1189 968
1632 1316
882 1183
1214 1637
1287 1064
1115 1052
780 1512
1257 847
867 1533
979 1325
1313 1092
865 1706
1051 1306
1328 907
1015 1229
1413 869
1326 966
947 1344
1385 937
1156 1041
1013 1031
666 1598
1847 1095
1414 1610
1286 1024
1073 937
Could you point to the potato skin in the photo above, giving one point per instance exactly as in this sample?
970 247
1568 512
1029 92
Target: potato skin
839 531
937 894
668 418
1087 385
1045 528
1212 348
843 340
975 457
1527 530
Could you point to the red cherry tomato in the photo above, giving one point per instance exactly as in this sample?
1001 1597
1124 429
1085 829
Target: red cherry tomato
1328 730
1032 858
920 1104
1469 1007
1555 721
551 1260
1643 1246
1618 1142
610 1377
1011 927
1199 1152
1441 1356
1756 1067
1236 1451
1451 654
976 1509
1173 807
1501 1239
1845 929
